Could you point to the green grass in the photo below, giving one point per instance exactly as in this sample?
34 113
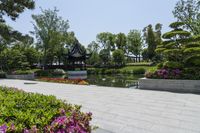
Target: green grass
124 70
139 64
129 68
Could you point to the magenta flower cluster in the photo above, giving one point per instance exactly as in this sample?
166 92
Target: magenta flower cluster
165 74
74 123
4 128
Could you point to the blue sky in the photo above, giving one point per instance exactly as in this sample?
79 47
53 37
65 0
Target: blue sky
87 18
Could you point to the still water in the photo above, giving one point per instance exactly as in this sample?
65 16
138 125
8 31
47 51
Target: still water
119 80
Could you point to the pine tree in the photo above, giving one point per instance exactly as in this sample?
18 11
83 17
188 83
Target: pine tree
180 48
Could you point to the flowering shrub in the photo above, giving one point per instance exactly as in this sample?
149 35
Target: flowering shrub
66 81
165 74
35 113
76 123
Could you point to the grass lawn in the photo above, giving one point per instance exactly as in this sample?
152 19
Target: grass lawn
129 68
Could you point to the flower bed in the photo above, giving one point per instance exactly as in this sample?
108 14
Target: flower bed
65 81
166 73
31 113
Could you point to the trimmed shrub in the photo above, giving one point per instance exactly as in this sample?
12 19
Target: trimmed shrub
28 112
138 71
172 65
160 65
43 73
192 73
54 72
193 61
22 72
58 72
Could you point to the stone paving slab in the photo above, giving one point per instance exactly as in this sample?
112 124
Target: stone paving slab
120 110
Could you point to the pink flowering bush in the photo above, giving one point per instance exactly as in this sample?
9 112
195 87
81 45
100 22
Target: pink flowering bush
165 74
23 112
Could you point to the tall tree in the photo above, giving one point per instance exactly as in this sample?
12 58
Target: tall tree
134 41
188 11
51 33
152 39
93 47
107 40
118 57
120 41
105 56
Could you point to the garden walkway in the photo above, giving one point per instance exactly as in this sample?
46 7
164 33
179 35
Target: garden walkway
117 110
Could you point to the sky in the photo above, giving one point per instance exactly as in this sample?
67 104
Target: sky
87 18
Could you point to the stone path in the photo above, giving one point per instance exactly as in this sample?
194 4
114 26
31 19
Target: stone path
118 110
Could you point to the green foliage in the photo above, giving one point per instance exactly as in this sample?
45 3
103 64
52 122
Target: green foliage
145 54
172 65
50 72
13 8
124 70
19 56
94 59
58 72
192 50
121 41
93 47
193 60
26 110
192 73
51 33
32 55
176 25
160 65
42 73
22 72
118 57
138 71
105 56
187 12
107 40
191 45
13 59
174 33
134 42
180 51
152 39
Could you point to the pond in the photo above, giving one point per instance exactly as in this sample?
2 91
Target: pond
118 80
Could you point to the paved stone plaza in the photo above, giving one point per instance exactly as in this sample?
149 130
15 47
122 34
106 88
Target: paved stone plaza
118 110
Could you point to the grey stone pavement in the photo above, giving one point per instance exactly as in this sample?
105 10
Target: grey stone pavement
119 110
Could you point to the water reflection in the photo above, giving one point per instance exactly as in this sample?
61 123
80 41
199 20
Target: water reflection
119 80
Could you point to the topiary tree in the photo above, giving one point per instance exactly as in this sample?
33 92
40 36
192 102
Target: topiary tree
180 48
